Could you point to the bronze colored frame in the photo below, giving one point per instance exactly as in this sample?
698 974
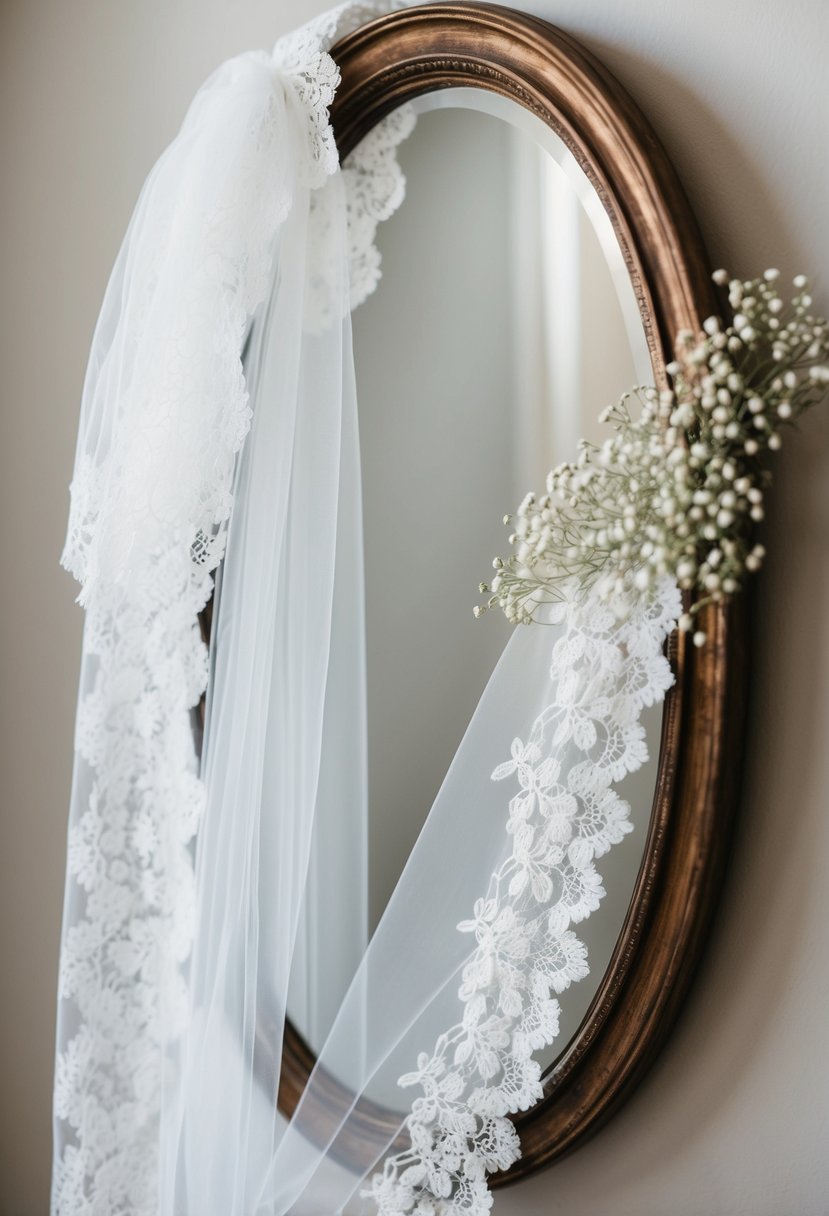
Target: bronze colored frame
436 46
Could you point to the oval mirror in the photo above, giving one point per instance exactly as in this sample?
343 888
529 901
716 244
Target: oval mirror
540 265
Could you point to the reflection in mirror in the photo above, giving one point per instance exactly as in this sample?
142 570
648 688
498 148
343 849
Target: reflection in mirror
504 323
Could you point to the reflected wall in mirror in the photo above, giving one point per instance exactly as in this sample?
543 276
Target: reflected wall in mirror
542 263
504 322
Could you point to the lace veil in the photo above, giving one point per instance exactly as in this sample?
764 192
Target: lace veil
189 858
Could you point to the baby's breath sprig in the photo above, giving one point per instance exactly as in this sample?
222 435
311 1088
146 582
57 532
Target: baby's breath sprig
678 485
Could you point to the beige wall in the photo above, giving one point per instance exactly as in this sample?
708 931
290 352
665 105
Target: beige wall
733 1119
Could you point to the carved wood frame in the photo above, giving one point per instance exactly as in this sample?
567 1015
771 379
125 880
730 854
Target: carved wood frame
436 46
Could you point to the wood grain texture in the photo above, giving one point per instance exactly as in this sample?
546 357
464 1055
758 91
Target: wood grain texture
436 46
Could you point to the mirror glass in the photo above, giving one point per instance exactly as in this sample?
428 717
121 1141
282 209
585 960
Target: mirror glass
505 321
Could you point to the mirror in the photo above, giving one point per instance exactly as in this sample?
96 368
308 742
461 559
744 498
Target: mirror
504 322
542 262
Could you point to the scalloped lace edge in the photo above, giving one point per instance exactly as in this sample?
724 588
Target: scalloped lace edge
606 667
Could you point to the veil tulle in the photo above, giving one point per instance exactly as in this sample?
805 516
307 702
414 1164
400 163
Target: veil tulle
188 921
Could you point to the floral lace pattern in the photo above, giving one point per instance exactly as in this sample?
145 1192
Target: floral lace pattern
375 186
565 814
165 413
303 55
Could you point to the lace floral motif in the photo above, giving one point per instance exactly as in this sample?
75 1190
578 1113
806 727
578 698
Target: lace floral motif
303 55
374 185
564 814
165 413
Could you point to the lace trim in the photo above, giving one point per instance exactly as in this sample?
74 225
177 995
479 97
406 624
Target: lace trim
373 181
606 668
375 187
147 528
150 502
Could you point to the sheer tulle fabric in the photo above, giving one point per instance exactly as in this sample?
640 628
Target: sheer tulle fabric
284 747
440 1026
405 993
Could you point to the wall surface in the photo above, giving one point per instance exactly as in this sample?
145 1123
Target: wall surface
733 1119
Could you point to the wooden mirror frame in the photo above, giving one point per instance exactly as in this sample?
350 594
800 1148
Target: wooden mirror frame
384 64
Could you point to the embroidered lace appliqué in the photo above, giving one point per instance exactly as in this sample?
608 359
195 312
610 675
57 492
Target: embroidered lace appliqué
303 54
374 186
563 815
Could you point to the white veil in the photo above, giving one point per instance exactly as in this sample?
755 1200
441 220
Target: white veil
186 923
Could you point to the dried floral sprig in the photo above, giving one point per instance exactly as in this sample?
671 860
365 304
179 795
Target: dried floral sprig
679 484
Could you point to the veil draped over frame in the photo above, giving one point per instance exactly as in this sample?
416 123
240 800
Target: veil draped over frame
189 860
